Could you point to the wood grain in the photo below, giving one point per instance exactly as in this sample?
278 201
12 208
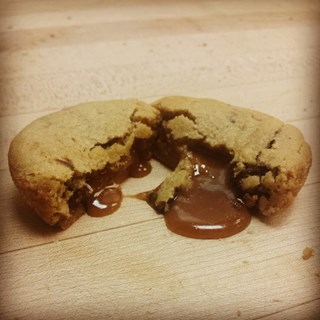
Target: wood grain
259 54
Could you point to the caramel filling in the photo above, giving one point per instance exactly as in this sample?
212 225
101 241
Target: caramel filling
208 209
105 201
102 193
105 192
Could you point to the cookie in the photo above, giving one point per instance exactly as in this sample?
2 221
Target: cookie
51 159
85 151
269 159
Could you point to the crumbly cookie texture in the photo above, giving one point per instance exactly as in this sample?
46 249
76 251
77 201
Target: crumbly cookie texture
51 158
270 159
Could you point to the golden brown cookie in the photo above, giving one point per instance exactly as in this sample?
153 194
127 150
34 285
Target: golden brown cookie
54 159
269 159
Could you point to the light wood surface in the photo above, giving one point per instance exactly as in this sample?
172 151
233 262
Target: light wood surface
259 54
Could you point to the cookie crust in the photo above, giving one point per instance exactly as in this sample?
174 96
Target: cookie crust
270 159
51 158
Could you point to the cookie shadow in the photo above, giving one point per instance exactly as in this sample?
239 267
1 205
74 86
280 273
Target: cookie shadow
27 219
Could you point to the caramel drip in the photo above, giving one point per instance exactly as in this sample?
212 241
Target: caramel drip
144 196
105 195
105 201
208 209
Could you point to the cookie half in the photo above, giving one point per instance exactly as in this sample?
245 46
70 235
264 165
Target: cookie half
269 159
52 158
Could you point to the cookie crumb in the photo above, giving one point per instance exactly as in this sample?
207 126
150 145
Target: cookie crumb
307 253
239 313
246 262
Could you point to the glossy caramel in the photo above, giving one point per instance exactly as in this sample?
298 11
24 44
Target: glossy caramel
105 195
208 209
105 201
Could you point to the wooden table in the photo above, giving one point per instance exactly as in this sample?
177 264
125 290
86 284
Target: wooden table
259 54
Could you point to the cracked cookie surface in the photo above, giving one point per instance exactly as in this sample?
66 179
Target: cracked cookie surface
270 159
52 158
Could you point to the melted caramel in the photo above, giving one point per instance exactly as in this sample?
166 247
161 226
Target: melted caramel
105 201
144 196
208 209
105 194
140 161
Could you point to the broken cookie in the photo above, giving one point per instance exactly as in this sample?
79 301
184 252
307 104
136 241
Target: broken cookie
65 162
224 157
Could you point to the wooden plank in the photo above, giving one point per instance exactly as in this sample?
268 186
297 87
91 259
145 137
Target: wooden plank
74 13
138 270
43 92
204 46
115 30
304 311
124 9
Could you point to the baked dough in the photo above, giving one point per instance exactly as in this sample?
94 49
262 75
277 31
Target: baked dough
51 159
269 159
